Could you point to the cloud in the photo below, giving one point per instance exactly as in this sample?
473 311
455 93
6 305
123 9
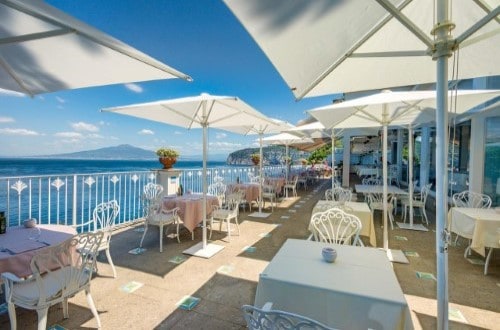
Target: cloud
134 88
178 133
95 136
146 132
6 120
18 131
74 135
220 135
10 93
81 126
60 99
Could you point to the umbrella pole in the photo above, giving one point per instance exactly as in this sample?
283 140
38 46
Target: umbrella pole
410 172
204 176
384 176
286 169
260 173
441 167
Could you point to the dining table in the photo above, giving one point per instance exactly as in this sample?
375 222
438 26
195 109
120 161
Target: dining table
357 291
250 189
19 244
359 209
481 226
190 208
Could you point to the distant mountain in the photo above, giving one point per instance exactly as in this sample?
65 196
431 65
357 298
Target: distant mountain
123 151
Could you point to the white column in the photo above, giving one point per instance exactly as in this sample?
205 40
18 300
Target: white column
400 153
425 159
346 157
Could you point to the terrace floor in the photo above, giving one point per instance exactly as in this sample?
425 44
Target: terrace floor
229 279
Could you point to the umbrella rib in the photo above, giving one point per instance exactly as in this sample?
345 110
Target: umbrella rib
390 54
35 36
350 51
180 114
11 73
398 14
137 57
482 22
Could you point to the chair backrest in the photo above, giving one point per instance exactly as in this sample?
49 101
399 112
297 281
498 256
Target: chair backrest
268 189
371 181
104 216
62 270
471 199
261 319
151 197
425 192
336 226
218 189
378 198
338 194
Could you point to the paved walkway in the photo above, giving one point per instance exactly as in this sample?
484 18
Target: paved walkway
229 279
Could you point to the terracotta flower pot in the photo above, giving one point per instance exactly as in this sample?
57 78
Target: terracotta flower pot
167 162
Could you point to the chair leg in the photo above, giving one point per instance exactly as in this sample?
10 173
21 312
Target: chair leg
42 318
487 261
65 308
425 216
12 316
178 239
91 304
108 256
161 238
211 222
143 235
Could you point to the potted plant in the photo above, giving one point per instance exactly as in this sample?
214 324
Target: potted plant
287 160
255 158
167 157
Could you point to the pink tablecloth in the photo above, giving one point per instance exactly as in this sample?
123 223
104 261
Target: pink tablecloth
251 190
16 249
278 183
190 208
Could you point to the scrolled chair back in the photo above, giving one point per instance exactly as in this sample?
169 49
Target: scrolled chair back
69 264
471 199
338 194
371 181
267 319
151 197
336 226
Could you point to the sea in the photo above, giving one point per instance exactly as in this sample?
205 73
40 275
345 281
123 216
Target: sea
15 167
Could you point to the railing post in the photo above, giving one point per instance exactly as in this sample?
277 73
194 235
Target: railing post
73 212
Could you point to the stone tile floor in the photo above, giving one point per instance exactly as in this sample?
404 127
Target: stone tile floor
149 286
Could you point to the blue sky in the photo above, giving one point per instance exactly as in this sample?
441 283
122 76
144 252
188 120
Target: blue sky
201 38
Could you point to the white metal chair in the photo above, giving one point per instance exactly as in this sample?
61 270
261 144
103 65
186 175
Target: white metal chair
473 200
338 194
155 214
291 184
103 219
269 319
336 226
419 202
269 193
59 272
229 212
376 202
218 189
371 181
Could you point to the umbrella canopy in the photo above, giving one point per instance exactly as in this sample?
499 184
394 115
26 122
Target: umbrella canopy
341 46
326 47
201 111
272 127
395 109
44 50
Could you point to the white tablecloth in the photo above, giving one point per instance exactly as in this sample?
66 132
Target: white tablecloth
358 291
377 189
361 210
482 226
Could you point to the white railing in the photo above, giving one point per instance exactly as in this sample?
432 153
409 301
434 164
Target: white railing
70 199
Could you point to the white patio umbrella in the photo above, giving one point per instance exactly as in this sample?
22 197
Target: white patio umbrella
201 111
287 140
272 127
394 109
344 46
44 50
